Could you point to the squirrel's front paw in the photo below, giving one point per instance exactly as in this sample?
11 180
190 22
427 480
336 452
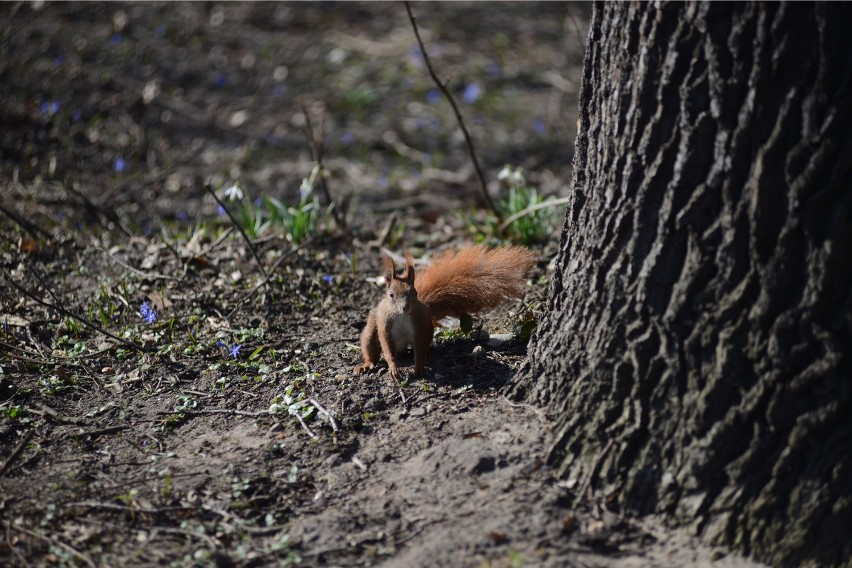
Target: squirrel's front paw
363 367
395 373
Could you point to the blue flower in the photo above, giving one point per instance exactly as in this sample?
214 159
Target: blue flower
278 91
182 216
115 39
58 60
221 80
234 350
49 107
148 313
383 181
538 125
76 115
347 138
494 70
433 96
328 278
220 210
160 31
120 164
220 343
471 93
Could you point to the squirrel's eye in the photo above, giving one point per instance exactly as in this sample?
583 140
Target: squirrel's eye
390 294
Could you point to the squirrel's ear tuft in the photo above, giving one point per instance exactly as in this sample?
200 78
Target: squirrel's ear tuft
409 268
389 268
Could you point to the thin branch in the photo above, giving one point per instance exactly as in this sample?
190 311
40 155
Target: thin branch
228 411
579 34
325 412
67 313
360 463
33 229
17 451
482 185
149 275
305 426
12 547
209 189
316 153
77 554
272 270
61 418
531 209
99 431
382 238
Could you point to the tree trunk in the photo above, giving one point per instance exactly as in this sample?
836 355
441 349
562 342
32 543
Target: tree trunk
696 350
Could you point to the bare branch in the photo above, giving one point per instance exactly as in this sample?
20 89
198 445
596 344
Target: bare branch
316 153
68 313
482 185
209 189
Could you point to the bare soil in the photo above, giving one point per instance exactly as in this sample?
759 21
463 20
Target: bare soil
124 442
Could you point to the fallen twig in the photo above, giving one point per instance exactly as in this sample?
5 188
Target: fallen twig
33 229
325 412
67 313
62 418
361 465
101 431
17 451
149 275
272 270
199 411
59 543
209 189
176 509
22 561
468 140
531 209
305 426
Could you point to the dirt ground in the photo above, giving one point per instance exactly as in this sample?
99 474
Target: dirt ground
230 430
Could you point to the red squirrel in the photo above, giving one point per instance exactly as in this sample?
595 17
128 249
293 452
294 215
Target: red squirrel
461 282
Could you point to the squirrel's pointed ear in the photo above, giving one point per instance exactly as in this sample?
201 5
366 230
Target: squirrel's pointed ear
389 268
409 267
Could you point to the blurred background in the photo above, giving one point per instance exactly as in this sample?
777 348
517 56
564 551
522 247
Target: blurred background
116 112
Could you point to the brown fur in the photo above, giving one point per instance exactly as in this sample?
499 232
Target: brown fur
474 279
456 283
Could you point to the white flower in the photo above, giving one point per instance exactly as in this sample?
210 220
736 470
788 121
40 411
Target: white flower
234 193
305 188
504 173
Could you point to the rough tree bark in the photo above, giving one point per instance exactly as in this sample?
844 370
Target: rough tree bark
696 351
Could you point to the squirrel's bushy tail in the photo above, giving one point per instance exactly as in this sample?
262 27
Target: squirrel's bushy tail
473 279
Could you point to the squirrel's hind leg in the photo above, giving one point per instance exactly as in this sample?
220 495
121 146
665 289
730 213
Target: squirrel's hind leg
422 343
371 349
